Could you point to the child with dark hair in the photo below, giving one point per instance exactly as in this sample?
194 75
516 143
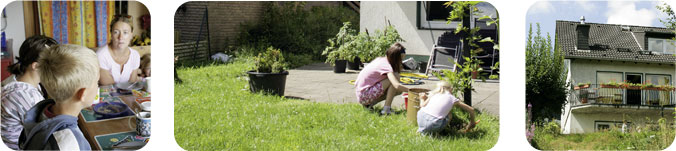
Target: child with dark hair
24 90
379 80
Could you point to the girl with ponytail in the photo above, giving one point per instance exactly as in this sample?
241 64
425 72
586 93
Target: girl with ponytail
23 89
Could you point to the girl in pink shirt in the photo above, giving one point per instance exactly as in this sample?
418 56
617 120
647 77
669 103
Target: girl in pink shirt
436 110
379 80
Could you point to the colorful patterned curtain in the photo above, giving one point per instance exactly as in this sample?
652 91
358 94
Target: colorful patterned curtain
83 23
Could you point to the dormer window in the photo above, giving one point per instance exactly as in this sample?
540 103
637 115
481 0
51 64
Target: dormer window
662 46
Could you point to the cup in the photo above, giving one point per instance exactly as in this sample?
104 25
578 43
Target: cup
98 97
147 84
142 124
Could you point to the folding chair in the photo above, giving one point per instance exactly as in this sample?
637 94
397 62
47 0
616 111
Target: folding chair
445 54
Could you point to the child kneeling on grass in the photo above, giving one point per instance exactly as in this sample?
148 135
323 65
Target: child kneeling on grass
436 110
70 74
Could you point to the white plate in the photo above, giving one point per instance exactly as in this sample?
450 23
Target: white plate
128 86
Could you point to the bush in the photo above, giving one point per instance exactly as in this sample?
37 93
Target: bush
295 30
545 77
271 61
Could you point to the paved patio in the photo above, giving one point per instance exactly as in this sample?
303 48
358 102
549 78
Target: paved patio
317 82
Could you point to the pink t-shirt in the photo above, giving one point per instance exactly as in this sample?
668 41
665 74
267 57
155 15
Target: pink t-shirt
440 105
373 73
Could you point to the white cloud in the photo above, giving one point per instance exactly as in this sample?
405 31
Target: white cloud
541 7
586 5
626 13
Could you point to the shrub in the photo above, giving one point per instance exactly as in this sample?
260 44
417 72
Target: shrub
271 61
295 30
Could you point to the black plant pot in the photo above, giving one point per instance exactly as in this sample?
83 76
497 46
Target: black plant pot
340 66
354 65
423 67
270 83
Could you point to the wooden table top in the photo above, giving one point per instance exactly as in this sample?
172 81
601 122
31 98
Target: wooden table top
96 128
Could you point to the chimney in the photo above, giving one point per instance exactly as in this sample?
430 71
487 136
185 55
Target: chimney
582 20
582 35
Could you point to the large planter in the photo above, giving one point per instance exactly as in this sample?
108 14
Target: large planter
270 83
354 65
339 66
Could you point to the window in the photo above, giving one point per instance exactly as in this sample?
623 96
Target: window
433 15
663 46
605 77
604 125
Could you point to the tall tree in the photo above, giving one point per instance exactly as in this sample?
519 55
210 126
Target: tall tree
546 86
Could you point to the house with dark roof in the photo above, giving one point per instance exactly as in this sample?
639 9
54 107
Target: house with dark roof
628 69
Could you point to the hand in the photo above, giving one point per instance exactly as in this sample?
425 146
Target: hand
423 95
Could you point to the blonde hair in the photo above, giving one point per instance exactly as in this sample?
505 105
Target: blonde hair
442 87
66 68
145 62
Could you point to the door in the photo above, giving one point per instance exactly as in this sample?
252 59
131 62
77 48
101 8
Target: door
634 96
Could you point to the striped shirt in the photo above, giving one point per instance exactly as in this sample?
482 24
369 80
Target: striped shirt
17 98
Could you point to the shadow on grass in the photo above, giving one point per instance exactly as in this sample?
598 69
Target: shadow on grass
197 63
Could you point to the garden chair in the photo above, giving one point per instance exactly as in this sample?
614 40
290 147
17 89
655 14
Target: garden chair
444 54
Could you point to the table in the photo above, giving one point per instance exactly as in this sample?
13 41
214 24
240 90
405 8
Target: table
92 129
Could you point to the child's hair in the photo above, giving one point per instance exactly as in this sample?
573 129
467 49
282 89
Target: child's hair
29 53
122 18
442 87
394 56
145 62
66 68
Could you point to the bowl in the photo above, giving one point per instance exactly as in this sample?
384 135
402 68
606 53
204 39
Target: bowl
111 109
145 106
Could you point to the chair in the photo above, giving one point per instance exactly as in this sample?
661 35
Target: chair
444 54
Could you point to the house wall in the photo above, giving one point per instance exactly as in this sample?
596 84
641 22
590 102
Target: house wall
136 10
403 16
585 122
583 70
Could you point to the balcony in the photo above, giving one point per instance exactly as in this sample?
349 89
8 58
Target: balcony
619 96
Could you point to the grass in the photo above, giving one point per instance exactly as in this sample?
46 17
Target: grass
656 138
214 110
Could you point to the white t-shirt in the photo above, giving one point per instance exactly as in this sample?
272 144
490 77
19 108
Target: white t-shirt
107 62
440 104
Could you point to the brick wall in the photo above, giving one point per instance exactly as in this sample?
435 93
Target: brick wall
224 20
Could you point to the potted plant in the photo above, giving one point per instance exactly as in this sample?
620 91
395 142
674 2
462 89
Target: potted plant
337 52
268 75
582 86
632 86
650 86
354 64
611 84
583 96
667 88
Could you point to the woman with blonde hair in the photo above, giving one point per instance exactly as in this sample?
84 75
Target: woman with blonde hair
436 109
118 62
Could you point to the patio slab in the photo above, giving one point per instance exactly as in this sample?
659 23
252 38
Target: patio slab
317 82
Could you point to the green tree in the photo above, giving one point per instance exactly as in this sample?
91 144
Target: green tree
545 76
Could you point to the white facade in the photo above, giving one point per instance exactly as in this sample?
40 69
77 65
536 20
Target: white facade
405 17
586 118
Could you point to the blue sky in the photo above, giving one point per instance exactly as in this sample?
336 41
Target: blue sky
641 13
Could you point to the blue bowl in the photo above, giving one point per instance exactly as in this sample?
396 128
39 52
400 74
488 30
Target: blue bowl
111 109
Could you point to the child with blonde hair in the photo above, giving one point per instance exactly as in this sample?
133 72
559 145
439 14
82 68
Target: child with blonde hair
436 109
70 73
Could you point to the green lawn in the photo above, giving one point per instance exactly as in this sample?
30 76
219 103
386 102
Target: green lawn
214 110
655 138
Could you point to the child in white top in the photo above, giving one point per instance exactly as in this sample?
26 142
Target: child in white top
436 110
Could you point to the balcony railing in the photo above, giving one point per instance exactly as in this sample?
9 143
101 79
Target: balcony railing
611 95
